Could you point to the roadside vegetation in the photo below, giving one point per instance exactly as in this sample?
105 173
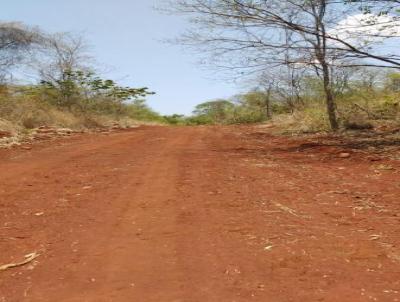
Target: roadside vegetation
365 99
309 66
327 65
66 90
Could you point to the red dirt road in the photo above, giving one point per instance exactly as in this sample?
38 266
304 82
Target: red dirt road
198 214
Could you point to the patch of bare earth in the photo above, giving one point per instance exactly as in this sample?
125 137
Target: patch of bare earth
201 214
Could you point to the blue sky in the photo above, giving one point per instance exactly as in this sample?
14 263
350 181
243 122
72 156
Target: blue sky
125 37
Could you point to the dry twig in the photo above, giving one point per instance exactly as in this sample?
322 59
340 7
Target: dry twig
28 258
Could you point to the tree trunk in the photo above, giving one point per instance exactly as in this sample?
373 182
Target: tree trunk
331 109
329 99
268 105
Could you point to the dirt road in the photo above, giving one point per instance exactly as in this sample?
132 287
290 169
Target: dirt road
198 214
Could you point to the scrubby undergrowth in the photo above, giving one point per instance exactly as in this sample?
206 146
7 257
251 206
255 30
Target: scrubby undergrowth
363 103
22 113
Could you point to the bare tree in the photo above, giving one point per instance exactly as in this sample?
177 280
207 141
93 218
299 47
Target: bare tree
16 44
253 35
61 54
268 90
268 83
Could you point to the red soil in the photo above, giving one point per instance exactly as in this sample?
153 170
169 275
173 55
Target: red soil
198 214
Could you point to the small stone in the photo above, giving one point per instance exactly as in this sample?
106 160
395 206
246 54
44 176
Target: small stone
344 155
384 167
268 248
5 134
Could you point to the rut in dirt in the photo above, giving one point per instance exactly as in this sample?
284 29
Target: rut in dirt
197 214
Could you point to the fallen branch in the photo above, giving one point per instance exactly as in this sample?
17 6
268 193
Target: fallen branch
289 210
369 113
286 209
29 258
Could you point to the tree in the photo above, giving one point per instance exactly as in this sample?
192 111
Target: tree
253 35
61 55
65 66
393 82
258 103
79 88
216 112
16 42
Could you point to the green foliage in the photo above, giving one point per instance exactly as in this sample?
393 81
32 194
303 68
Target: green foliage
246 108
256 100
139 110
393 82
214 112
363 101
79 99
176 119
83 89
251 107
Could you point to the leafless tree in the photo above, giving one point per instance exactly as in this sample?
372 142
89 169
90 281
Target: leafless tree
61 54
60 57
254 35
268 86
17 42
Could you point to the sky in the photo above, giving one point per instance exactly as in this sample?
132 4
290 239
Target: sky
126 39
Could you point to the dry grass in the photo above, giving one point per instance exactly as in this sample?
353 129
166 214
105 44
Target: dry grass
19 116
307 121
352 114
10 127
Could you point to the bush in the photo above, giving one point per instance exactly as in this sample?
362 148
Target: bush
30 107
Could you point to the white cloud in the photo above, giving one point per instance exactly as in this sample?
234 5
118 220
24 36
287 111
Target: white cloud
366 28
